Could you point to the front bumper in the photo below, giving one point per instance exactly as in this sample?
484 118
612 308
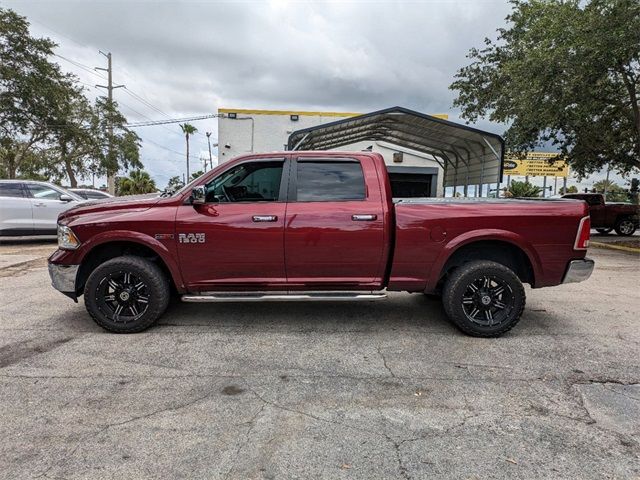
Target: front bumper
63 278
578 270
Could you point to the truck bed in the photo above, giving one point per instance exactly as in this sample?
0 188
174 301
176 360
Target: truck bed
428 230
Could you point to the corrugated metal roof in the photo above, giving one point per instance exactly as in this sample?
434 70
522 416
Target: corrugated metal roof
468 155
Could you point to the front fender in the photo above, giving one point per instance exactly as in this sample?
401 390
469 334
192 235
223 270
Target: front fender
483 235
76 257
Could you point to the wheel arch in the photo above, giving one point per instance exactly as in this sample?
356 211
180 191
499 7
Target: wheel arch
107 248
508 250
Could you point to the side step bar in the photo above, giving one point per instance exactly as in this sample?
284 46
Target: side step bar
282 296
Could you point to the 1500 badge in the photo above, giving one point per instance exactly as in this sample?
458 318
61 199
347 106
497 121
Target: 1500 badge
191 237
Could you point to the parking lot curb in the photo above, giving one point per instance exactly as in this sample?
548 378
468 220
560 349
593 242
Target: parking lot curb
615 247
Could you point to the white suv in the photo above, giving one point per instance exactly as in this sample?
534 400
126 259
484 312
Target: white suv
31 208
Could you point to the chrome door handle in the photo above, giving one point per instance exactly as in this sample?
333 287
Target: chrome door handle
265 218
363 218
39 204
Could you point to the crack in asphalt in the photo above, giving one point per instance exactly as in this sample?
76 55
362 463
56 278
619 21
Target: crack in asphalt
60 462
384 361
252 423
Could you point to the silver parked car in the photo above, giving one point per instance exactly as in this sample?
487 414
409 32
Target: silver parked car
31 208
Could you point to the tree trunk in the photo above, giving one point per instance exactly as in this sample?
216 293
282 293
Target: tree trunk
67 165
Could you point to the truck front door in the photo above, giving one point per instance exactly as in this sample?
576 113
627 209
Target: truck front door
334 235
236 238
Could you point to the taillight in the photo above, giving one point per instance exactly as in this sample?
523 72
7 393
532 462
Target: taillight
584 232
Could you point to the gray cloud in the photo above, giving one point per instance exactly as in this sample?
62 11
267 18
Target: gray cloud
191 57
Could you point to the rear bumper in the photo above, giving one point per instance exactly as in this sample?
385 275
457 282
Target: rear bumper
578 270
63 278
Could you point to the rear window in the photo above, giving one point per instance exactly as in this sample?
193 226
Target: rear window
11 190
330 181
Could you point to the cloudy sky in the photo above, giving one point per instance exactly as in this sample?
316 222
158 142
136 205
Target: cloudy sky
186 58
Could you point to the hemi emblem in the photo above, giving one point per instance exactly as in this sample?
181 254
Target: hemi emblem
163 236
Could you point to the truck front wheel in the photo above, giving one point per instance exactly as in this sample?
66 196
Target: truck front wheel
625 227
483 298
126 294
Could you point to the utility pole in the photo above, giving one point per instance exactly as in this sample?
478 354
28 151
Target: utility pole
111 184
209 143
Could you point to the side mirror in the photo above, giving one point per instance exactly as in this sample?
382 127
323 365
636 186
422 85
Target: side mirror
65 198
198 195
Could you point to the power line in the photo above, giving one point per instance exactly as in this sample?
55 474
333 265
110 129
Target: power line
82 66
172 120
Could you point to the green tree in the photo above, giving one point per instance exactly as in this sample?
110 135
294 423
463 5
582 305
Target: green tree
175 184
188 130
32 88
613 191
74 137
137 182
566 73
195 175
571 189
522 190
109 125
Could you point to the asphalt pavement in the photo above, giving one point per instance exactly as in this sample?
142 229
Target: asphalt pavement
317 390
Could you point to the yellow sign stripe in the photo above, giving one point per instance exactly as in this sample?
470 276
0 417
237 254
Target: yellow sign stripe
442 116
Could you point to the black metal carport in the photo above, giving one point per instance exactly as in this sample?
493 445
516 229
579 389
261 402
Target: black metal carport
467 155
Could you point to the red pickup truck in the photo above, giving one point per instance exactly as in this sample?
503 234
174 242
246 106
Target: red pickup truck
314 226
623 217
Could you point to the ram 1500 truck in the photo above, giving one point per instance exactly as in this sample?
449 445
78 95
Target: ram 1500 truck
607 216
314 226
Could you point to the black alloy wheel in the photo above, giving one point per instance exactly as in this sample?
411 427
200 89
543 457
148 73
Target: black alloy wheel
483 298
126 294
488 300
123 296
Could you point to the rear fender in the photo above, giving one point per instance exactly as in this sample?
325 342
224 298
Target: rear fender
483 235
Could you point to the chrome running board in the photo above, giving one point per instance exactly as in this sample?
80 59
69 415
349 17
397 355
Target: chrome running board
282 296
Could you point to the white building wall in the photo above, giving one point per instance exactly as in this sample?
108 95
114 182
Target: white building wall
268 131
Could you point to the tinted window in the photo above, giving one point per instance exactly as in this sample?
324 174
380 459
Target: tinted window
81 193
43 192
328 181
248 182
10 190
92 194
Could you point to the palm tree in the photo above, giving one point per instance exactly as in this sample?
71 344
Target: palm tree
523 189
137 182
188 129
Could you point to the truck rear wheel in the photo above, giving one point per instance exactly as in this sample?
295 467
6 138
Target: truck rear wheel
625 227
126 294
484 298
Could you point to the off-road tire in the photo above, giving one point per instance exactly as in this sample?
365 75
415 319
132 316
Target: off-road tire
155 291
604 231
625 227
460 283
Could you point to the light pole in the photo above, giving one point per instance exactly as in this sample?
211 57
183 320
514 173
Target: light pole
209 143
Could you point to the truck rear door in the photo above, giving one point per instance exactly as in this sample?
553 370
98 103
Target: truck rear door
334 231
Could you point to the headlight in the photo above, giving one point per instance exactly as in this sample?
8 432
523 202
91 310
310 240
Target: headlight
67 239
